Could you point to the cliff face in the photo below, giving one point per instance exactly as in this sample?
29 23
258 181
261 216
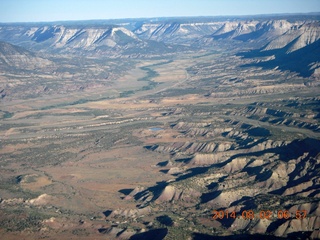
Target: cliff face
253 30
173 32
283 41
157 123
16 58
68 39
298 36
85 38
276 34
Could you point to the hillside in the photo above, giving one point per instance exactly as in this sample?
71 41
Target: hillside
164 128
15 58
74 39
277 38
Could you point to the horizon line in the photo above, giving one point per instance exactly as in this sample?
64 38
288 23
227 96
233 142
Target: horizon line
163 17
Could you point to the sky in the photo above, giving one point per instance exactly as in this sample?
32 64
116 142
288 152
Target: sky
61 10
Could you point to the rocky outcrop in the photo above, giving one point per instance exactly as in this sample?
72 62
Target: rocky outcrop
60 36
171 193
299 35
311 224
41 200
176 32
134 192
200 159
14 58
191 148
98 39
131 213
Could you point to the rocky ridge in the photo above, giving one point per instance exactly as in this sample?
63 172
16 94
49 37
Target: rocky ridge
241 169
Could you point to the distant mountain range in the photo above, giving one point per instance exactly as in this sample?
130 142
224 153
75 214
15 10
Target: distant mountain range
285 39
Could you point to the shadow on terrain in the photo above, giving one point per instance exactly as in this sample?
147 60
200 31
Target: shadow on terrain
298 61
162 164
299 235
107 213
275 224
165 220
258 132
213 186
126 191
155 190
307 163
248 202
200 236
206 197
193 172
103 230
157 234
293 150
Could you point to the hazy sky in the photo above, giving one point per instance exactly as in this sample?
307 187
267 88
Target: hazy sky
54 10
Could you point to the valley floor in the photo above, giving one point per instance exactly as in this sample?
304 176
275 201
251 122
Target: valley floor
159 148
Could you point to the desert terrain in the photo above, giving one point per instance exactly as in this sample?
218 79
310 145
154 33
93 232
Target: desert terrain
140 132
